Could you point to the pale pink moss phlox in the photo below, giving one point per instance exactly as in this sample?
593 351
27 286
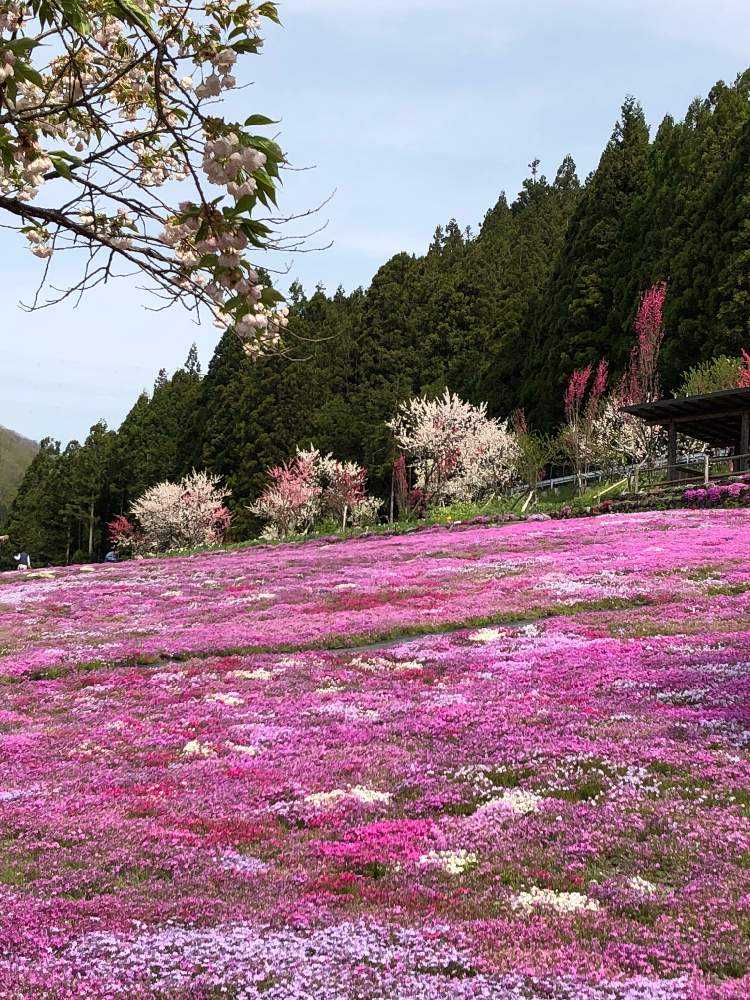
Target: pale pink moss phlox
556 807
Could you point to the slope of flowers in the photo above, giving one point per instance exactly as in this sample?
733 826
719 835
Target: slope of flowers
550 809
320 594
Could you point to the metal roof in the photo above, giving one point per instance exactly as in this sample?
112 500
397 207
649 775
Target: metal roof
714 418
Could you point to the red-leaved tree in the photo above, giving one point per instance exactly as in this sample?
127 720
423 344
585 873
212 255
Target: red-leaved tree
642 383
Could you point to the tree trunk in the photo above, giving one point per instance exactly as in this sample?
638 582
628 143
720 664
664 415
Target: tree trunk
91 529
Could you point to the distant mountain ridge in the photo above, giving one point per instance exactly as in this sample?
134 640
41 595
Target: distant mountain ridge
16 454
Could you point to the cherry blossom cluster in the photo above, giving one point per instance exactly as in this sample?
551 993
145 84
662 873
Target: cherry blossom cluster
117 230
222 77
27 174
226 162
12 15
7 62
124 107
259 325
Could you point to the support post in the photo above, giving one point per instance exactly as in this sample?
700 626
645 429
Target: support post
672 453
706 470
742 465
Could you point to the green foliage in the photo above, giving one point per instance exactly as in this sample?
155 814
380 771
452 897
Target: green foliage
711 376
35 521
67 497
16 452
537 452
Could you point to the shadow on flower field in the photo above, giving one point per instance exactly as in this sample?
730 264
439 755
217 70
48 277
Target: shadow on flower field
202 795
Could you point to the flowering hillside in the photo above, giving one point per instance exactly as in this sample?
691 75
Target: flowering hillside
255 774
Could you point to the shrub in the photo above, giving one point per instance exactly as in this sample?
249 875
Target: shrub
711 376
711 496
535 451
291 501
124 536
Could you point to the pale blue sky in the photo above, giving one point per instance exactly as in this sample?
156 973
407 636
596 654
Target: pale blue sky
414 111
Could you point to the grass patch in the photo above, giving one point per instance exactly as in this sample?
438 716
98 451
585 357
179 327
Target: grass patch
728 589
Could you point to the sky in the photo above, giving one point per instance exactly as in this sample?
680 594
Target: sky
407 113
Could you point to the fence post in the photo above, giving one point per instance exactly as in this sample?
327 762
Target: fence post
706 471
744 442
672 452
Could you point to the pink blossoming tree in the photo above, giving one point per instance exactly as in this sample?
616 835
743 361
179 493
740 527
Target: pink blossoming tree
642 383
313 488
584 399
744 379
618 437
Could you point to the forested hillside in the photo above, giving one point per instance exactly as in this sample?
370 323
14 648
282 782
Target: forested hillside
16 452
550 282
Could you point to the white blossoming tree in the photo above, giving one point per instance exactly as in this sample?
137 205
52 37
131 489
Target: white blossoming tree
616 437
169 516
108 110
456 451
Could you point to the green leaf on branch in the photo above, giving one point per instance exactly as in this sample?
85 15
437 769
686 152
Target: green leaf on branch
131 13
272 150
255 227
270 11
246 45
62 165
259 120
21 46
65 155
69 13
266 188
245 204
23 71
256 232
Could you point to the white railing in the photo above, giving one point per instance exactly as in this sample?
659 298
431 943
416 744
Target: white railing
710 469
636 476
